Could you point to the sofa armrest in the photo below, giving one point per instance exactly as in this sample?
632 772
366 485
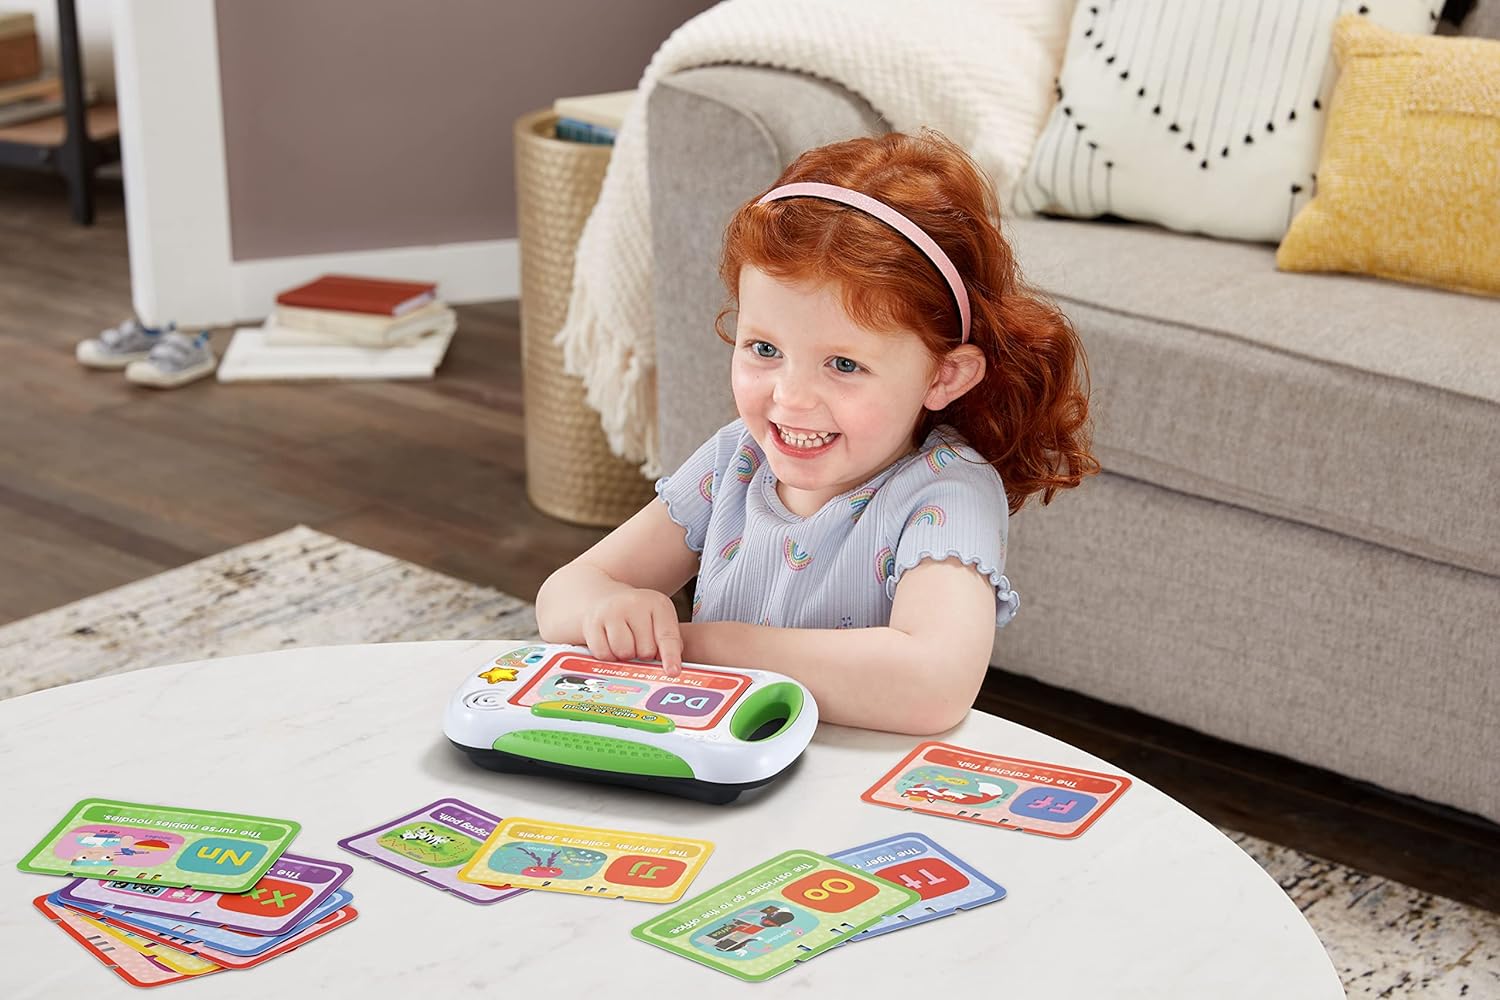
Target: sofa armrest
716 136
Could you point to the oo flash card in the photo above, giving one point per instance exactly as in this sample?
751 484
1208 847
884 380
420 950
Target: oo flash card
1050 799
785 911
944 883
280 900
431 843
131 842
536 854
133 958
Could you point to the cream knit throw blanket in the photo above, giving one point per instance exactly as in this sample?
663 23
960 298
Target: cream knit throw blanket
979 71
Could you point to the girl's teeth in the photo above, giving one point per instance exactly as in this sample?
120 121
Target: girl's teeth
805 440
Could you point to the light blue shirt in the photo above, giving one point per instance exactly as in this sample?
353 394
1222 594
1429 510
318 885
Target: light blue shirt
839 568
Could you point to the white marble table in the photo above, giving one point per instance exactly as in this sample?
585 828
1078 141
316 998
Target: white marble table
1151 902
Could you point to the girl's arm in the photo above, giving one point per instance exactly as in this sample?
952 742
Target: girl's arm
600 598
918 675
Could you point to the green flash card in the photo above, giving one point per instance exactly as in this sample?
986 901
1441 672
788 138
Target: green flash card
785 911
162 845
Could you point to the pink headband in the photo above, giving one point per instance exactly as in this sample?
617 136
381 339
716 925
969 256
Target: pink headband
892 218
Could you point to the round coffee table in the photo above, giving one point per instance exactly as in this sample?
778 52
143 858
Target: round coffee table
1150 902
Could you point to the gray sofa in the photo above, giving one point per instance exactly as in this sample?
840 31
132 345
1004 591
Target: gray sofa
1295 542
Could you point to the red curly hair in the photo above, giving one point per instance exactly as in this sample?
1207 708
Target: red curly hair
1029 415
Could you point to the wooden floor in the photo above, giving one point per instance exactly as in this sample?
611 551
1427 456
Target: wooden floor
102 483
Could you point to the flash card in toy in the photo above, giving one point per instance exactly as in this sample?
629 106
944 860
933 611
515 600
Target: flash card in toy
1050 799
944 882
235 942
283 897
431 844
787 910
583 859
131 842
269 948
131 957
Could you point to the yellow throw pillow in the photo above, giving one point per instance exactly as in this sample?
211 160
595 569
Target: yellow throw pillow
1408 186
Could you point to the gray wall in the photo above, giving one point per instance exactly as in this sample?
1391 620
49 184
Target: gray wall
364 124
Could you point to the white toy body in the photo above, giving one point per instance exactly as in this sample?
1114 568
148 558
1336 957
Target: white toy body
709 733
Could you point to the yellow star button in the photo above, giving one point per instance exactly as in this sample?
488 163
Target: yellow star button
497 674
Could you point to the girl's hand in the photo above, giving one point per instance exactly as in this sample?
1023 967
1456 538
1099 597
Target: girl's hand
635 625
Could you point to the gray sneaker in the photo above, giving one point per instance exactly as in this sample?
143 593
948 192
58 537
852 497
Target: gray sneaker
175 359
118 346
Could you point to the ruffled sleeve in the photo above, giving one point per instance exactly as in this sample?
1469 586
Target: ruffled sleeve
689 492
960 513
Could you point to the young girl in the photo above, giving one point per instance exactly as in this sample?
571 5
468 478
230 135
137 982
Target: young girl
900 392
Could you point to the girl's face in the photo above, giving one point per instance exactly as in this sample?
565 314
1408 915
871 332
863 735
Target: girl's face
830 402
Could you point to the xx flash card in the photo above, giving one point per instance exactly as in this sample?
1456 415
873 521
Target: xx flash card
130 842
1050 799
430 845
133 958
583 859
280 900
230 960
944 883
234 942
779 913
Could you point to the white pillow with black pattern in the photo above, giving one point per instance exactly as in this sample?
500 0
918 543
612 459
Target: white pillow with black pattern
1204 116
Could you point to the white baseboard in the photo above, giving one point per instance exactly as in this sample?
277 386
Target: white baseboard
465 272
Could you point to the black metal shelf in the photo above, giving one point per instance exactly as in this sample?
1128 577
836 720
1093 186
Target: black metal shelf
75 143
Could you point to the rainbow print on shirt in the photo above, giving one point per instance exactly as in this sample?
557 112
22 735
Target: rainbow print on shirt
745 464
796 558
885 565
731 549
706 486
931 515
939 457
859 501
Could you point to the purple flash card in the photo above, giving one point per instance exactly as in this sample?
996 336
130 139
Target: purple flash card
293 888
432 844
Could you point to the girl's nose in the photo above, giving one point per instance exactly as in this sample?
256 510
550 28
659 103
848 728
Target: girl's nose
793 391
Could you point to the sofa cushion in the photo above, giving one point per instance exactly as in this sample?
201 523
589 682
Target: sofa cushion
1361 406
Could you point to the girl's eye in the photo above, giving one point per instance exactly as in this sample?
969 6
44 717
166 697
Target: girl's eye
763 349
846 365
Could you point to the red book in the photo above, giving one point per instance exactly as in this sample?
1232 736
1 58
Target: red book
345 293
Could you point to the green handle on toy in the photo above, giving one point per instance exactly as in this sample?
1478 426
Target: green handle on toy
767 712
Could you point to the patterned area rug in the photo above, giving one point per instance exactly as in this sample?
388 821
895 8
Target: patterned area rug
304 588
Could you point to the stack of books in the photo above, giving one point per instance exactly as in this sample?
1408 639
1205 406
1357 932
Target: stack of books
26 95
594 118
344 326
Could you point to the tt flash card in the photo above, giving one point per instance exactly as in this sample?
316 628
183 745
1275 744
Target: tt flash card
779 913
430 844
945 883
130 842
131 957
583 859
1049 799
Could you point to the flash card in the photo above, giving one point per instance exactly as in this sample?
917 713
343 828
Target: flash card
1049 799
763 922
944 883
281 899
584 859
130 842
269 947
431 843
234 942
131 957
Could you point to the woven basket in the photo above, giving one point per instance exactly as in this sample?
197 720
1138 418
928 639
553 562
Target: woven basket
570 472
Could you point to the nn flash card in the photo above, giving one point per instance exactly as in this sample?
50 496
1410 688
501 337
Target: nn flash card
431 843
1049 799
775 915
944 883
130 842
282 898
559 858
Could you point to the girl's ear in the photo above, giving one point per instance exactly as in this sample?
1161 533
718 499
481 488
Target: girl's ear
960 370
